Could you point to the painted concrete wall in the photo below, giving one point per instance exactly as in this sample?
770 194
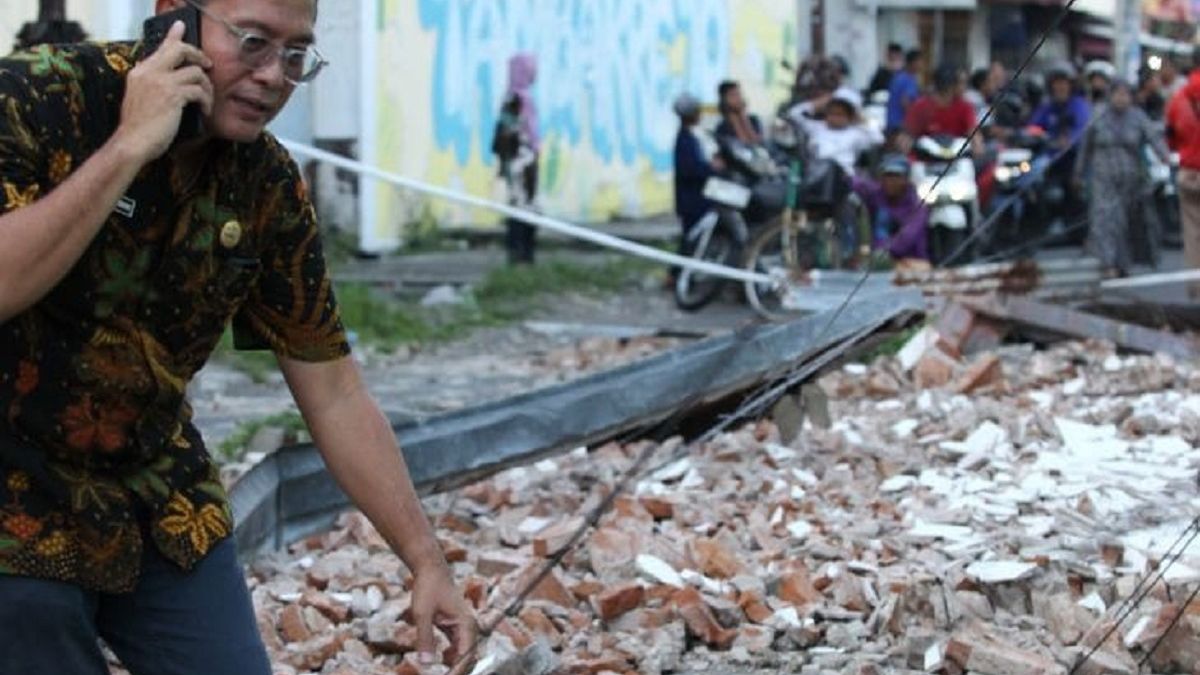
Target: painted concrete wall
609 70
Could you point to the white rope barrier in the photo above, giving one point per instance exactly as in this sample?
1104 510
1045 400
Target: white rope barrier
586 234
1145 280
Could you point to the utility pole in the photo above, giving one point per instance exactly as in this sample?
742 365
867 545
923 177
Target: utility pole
51 27
1127 42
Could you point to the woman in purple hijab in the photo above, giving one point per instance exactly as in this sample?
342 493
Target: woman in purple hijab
516 143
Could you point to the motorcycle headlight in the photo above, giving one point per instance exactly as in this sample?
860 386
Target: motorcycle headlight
1004 174
926 192
960 193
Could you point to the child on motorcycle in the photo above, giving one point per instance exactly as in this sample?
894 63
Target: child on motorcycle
842 136
899 218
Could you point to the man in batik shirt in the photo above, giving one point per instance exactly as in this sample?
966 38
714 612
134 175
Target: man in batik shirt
123 257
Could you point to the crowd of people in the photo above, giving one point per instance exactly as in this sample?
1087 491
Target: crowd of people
1096 135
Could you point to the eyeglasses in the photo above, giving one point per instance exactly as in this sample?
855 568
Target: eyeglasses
301 65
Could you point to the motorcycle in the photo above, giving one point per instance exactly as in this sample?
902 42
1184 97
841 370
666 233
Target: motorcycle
749 192
953 200
1164 182
1013 173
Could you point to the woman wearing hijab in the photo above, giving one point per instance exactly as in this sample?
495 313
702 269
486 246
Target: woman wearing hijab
517 144
1122 230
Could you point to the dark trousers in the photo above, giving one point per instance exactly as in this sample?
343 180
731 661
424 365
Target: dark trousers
521 238
174 623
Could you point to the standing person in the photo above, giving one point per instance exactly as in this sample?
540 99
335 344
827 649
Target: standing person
904 90
1183 134
126 255
1150 96
882 79
522 168
692 169
735 120
1121 229
1098 77
1170 78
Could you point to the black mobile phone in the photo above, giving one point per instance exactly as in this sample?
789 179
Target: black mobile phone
154 31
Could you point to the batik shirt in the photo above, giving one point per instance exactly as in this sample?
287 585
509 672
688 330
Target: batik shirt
98 455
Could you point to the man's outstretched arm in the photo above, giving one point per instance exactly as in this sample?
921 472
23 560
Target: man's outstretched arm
360 449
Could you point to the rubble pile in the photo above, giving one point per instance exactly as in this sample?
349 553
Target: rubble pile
983 514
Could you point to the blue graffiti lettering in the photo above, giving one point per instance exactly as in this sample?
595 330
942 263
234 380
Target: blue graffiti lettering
605 74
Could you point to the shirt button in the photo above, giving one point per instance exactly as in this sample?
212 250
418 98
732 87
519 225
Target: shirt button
231 233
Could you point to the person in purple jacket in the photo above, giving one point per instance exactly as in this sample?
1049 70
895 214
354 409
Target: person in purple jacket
900 219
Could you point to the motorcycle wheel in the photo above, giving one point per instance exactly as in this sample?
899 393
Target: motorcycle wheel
765 255
944 241
694 290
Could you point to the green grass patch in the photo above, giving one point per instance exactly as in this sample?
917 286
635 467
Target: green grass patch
231 448
891 346
506 295
257 365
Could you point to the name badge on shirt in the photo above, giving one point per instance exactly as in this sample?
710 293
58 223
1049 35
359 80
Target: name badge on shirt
125 207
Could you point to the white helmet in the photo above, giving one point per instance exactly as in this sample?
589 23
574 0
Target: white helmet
848 96
1102 68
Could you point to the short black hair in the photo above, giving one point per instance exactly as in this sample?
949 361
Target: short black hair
895 48
979 78
913 56
726 86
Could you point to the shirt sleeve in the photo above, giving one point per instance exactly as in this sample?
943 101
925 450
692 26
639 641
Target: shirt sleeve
20 156
292 310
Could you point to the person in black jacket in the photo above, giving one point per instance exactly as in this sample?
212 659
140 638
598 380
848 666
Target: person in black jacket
882 79
692 169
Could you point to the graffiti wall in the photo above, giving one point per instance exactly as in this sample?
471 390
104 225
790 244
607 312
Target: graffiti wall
607 73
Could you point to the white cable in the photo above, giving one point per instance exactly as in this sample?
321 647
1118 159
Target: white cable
530 217
1164 279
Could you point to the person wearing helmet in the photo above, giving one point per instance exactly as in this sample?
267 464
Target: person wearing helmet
945 111
1065 115
1098 76
841 135
692 167
900 219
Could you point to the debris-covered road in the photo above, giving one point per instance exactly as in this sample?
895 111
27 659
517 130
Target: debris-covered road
985 515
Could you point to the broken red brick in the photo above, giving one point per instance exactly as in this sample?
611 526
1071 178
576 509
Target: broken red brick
715 560
552 539
292 626
797 588
985 373
661 509
614 602
700 620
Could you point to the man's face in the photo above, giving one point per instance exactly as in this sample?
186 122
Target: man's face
1060 89
894 185
837 115
895 60
734 100
246 99
997 78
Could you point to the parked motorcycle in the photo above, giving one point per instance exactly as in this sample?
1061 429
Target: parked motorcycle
1164 183
1014 174
749 192
953 200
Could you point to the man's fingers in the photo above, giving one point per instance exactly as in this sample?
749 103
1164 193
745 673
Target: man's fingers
197 93
426 643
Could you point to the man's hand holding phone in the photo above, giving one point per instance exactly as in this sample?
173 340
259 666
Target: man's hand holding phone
156 92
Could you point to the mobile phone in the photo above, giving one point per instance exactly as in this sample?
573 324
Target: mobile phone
154 31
